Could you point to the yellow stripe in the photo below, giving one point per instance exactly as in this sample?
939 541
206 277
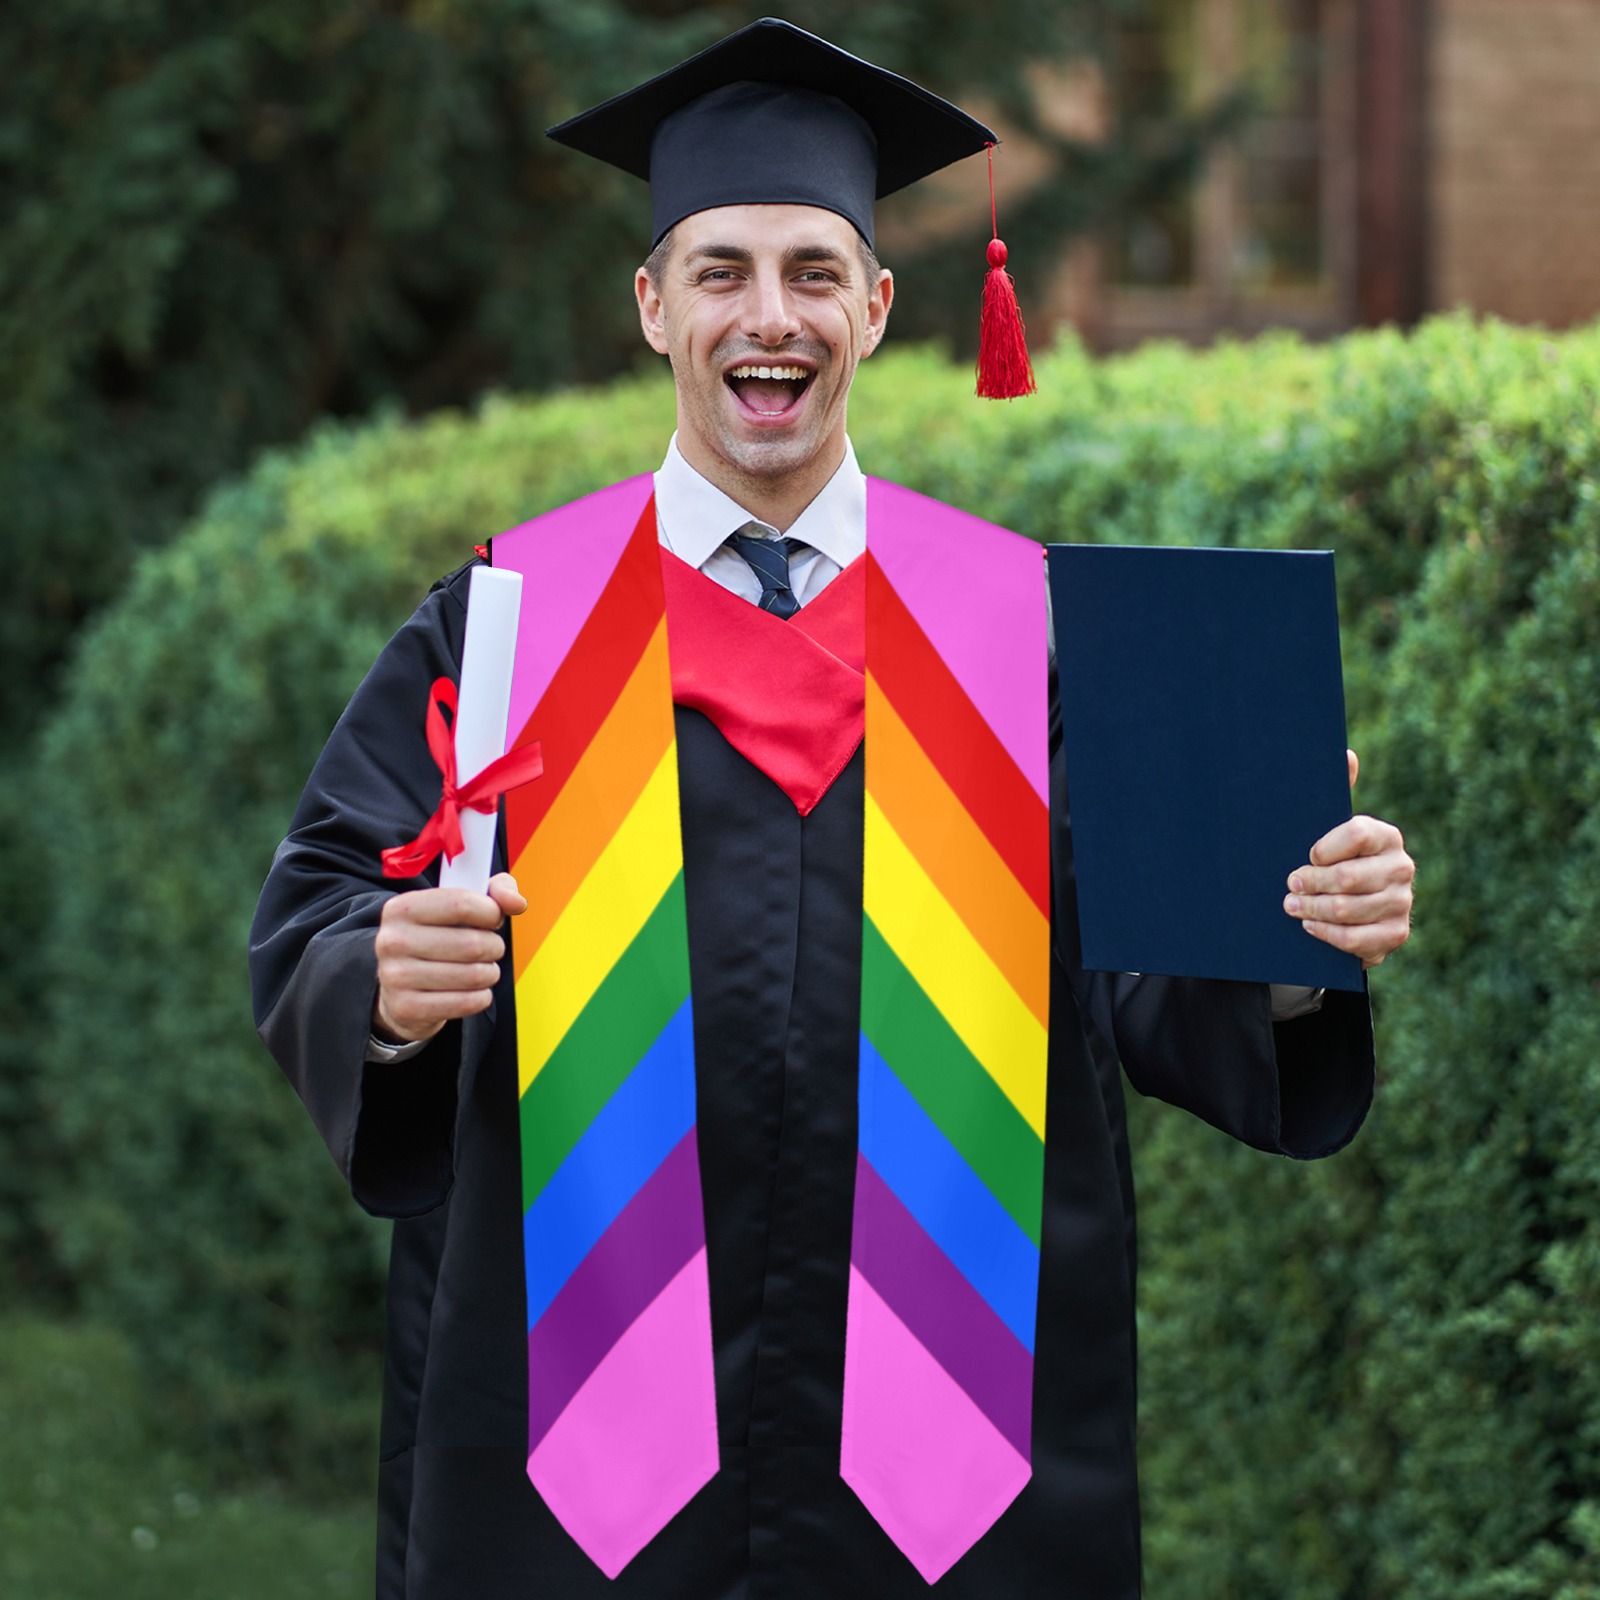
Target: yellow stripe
595 800
600 921
953 969
969 872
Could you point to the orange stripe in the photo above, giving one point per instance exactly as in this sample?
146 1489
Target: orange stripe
950 847
586 684
594 801
953 735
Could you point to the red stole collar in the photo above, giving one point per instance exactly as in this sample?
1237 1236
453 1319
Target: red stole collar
789 696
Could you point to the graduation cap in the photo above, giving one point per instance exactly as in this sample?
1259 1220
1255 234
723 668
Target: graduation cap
773 115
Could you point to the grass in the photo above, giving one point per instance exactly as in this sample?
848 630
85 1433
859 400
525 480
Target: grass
93 1502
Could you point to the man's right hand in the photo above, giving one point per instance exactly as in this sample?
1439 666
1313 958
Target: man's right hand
439 953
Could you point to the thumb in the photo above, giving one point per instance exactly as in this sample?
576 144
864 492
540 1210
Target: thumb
505 894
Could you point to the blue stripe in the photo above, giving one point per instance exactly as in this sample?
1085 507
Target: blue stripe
950 1202
636 1130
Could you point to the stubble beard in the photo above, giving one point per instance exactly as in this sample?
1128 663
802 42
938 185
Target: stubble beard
769 459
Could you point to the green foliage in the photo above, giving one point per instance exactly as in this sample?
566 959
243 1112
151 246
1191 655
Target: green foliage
1378 1377
97 1500
1374 1376
218 224
1497 1040
28 1150
204 1224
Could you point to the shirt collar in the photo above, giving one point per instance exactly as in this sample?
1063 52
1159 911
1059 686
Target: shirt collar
694 517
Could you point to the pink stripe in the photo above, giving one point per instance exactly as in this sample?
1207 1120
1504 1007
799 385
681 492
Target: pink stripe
943 1311
564 567
647 1245
968 582
931 1468
639 1439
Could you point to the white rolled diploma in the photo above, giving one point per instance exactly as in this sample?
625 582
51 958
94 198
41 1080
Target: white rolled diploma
494 598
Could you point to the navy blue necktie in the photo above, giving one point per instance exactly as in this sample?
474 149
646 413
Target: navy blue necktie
769 560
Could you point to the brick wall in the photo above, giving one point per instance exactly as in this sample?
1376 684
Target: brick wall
1514 187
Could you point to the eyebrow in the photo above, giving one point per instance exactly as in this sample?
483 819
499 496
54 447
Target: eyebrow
796 255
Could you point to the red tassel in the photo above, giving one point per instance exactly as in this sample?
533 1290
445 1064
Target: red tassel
1004 371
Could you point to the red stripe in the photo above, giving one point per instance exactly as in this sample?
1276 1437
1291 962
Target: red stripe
588 681
956 738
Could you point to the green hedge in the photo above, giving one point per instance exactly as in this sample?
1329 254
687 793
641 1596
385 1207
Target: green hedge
1375 1376
203 1217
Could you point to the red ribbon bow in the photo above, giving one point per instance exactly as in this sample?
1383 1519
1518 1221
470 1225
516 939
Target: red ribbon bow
442 830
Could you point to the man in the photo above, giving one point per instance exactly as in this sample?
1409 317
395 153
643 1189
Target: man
392 1012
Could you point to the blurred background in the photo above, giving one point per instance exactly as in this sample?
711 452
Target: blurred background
297 304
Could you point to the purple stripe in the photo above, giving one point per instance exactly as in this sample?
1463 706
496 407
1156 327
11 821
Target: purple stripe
947 1316
632 1262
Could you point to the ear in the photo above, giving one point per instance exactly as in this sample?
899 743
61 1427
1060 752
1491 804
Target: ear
878 303
652 314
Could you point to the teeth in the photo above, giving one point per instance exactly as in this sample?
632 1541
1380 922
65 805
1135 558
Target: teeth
796 374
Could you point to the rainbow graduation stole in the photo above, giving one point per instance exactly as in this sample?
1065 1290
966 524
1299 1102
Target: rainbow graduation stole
945 1252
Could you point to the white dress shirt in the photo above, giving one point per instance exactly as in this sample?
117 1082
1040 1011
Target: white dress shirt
693 520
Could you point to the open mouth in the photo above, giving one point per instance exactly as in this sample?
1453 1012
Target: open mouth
769 391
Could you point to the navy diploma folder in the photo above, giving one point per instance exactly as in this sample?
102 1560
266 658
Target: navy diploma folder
1203 731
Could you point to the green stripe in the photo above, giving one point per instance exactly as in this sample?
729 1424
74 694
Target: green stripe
624 1017
967 1106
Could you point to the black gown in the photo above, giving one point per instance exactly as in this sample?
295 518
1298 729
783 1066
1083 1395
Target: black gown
774 913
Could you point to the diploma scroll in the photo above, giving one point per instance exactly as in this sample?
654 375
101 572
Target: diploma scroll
494 599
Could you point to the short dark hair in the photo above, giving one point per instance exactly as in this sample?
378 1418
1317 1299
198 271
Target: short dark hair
655 264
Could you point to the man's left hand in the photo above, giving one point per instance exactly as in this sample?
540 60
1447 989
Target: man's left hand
1355 892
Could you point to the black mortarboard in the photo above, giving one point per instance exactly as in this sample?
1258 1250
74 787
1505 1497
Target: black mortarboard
774 115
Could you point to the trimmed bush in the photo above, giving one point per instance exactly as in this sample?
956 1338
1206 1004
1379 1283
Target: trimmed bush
1377 1376
202 1220
1371 1376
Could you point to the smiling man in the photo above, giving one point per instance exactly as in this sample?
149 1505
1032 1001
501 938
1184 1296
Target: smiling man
737 1251
764 312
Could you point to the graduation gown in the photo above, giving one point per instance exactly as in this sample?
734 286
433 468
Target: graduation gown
774 918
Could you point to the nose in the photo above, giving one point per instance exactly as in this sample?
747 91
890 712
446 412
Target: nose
771 318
